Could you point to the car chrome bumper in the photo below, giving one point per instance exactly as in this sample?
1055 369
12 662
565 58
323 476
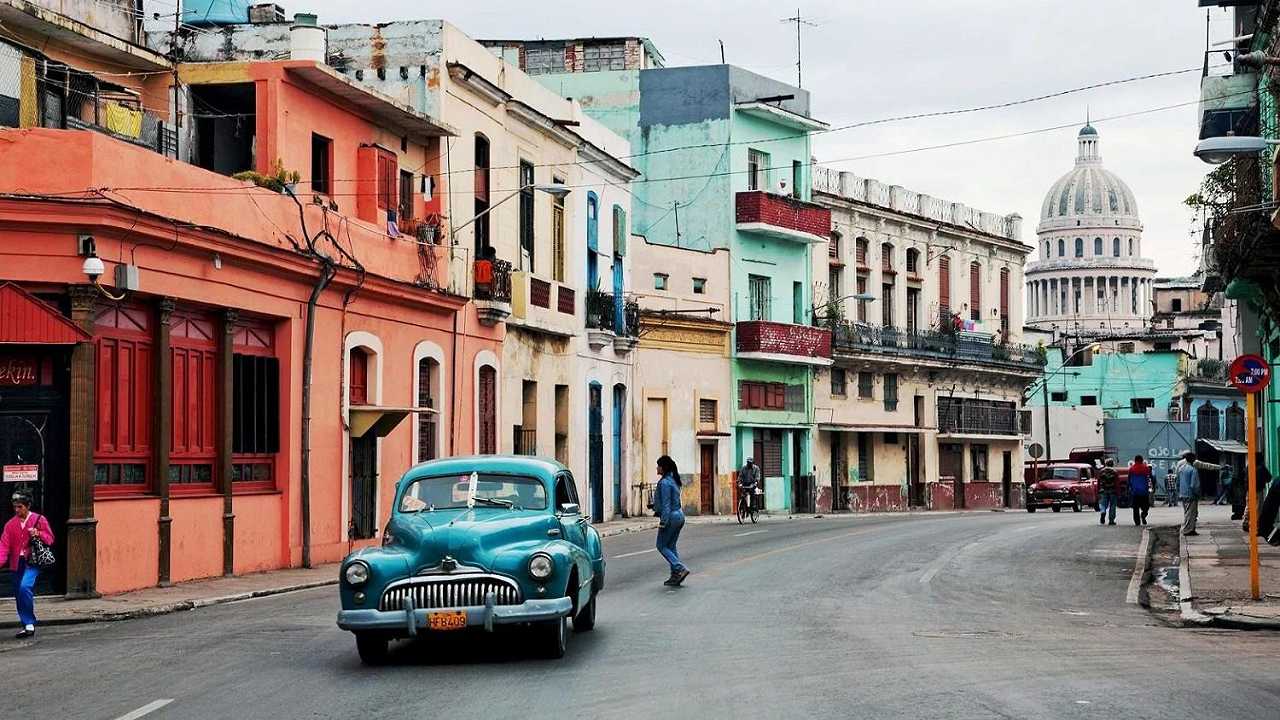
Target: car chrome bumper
409 621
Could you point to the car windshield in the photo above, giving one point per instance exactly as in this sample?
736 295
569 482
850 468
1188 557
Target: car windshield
450 491
1060 474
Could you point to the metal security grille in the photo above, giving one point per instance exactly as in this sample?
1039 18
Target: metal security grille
433 593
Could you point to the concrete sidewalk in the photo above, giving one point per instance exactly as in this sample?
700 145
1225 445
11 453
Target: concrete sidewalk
1214 572
215 591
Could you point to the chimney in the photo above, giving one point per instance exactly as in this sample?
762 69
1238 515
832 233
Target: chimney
307 40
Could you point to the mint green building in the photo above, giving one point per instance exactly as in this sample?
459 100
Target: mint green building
725 159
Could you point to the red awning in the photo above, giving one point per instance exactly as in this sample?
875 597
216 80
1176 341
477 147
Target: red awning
27 320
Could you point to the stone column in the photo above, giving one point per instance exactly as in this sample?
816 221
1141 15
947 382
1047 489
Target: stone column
162 433
226 431
82 526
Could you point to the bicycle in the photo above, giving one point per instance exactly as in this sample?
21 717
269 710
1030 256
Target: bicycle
746 508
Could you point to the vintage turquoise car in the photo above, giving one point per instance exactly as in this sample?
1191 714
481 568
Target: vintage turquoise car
476 542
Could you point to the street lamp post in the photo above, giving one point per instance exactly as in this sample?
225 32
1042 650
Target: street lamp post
555 190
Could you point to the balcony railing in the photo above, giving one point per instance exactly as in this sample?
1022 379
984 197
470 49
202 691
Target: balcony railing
801 341
602 313
493 280
75 100
968 416
782 216
1206 370
524 442
860 338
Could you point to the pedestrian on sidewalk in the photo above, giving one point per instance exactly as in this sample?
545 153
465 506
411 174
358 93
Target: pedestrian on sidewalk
15 551
1189 489
1108 492
670 518
1224 486
1140 489
1171 487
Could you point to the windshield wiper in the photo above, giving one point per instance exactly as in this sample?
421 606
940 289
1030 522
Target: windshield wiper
495 502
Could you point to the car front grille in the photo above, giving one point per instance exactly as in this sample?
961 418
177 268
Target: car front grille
446 592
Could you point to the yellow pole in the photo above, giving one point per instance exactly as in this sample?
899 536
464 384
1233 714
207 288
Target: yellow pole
1251 432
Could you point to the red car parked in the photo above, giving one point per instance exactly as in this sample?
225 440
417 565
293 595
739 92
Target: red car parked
1061 484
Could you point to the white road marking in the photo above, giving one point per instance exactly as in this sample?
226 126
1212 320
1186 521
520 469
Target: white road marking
146 709
1139 567
632 554
752 532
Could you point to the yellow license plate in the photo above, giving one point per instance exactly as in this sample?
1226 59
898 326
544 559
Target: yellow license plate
446 620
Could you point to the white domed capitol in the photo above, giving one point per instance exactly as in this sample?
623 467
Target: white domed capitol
1091 277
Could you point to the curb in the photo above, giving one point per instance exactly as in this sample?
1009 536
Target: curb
1186 599
173 607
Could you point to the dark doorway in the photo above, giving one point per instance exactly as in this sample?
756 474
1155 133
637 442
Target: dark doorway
951 468
33 444
595 451
801 484
839 471
363 469
915 479
619 413
225 125
1006 477
706 478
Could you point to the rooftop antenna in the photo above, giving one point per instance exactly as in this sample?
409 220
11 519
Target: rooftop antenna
799 21
722 52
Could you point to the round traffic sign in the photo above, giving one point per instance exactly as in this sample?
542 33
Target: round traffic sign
1250 373
1035 450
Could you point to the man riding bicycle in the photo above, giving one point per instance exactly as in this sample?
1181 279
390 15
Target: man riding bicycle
748 481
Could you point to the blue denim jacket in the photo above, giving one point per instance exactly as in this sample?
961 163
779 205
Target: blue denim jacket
667 498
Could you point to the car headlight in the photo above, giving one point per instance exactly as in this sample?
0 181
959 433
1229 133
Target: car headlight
357 573
541 566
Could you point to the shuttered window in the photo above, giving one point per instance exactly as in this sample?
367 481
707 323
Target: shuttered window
487 402
388 180
768 447
975 292
193 449
123 356
944 291
1004 304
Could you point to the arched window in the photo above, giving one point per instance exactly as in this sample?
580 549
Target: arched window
913 261
428 397
1004 304
1115 247
944 292
1130 246
886 257
1048 250
1062 247
1235 422
487 410
860 251
1097 246
1079 247
482 194
1207 422
975 291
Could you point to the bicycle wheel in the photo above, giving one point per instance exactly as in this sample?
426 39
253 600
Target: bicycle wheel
742 512
754 513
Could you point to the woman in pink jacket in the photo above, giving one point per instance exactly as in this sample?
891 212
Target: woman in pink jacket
15 547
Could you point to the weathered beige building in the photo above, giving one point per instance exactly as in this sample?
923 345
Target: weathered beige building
922 407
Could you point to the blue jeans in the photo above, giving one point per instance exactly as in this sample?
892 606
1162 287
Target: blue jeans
1107 503
26 592
668 534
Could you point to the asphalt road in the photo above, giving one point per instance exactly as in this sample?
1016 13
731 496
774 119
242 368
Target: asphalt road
979 615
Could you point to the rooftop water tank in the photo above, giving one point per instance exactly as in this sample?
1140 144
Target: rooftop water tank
203 13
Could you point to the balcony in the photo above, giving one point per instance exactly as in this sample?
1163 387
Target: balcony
603 324
964 417
1205 371
892 343
783 342
492 291
782 217
542 306
1226 101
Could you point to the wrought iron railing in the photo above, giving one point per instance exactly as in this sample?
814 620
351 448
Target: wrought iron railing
600 310
850 338
969 416
493 280
524 441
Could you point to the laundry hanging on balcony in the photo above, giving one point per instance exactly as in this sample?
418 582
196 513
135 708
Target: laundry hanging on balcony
122 120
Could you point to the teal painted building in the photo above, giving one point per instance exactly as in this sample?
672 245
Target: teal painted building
725 158
1124 384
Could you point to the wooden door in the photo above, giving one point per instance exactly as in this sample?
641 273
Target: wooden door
951 467
488 411
707 478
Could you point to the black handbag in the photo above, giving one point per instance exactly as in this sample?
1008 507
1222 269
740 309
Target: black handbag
41 555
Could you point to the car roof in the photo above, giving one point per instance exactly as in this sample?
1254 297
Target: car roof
543 468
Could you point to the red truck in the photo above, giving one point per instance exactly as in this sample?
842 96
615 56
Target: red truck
1073 482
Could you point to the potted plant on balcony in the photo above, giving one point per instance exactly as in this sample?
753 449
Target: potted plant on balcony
278 179
599 318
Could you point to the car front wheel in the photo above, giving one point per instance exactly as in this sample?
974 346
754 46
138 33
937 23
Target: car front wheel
1057 508
1031 508
586 619
553 637
372 648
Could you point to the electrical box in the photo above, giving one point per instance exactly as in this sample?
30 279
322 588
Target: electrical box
127 277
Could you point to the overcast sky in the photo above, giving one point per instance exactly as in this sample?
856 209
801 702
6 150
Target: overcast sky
869 59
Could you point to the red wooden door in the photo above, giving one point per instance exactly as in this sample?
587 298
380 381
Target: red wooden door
487 410
706 478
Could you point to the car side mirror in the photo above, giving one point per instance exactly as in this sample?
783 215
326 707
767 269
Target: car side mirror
569 509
